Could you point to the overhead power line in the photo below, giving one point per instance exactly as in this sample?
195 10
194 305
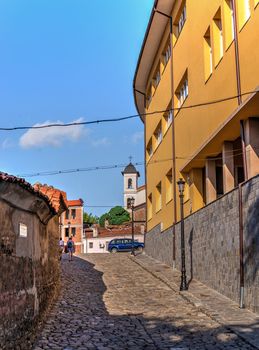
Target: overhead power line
111 120
117 166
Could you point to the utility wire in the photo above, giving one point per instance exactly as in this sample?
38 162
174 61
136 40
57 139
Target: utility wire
111 120
114 166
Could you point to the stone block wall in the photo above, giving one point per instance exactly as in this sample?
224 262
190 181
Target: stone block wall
29 273
212 244
250 195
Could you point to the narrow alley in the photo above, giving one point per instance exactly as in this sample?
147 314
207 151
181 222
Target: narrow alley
110 302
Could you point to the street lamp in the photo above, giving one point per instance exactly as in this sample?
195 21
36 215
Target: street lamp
68 226
183 285
132 201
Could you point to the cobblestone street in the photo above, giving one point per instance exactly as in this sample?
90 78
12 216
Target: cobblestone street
108 301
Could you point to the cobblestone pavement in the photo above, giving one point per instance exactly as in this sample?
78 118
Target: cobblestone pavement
109 302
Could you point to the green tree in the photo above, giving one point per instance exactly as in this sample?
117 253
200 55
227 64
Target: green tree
90 218
116 216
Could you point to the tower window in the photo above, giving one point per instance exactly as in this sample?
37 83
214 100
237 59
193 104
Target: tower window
129 183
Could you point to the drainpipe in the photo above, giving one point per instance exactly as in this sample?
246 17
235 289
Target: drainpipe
145 160
241 246
173 129
237 61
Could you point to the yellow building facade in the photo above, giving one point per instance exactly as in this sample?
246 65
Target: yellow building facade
196 87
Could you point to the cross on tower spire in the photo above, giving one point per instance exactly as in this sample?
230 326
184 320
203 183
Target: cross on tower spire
130 158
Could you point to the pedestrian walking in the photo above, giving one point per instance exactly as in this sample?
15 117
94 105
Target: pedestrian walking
70 247
61 247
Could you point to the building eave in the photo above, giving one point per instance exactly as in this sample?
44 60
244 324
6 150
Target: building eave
152 39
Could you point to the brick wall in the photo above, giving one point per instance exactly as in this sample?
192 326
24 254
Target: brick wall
29 267
212 244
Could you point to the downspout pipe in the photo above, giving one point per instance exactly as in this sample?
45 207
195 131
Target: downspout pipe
173 131
241 247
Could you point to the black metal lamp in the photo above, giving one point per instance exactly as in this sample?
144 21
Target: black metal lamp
132 201
183 285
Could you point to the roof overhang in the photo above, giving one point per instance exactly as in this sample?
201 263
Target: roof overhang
154 33
226 131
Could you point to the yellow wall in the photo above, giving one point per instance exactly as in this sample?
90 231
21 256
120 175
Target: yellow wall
193 127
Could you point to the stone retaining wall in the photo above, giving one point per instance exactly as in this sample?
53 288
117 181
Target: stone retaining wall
29 266
212 244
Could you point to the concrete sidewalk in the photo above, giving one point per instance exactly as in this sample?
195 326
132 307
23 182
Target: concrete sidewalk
219 308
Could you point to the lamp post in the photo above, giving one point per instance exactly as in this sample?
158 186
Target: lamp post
183 285
132 201
68 226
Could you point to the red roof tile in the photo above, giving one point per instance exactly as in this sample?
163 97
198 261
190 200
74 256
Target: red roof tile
56 197
26 185
75 202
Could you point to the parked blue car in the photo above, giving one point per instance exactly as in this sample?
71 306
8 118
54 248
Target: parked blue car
124 245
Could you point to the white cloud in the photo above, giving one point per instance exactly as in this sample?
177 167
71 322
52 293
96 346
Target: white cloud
53 136
137 137
101 142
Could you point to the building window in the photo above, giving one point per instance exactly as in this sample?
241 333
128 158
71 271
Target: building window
67 214
180 20
149 207
182 91
130 183
158 197
167 54
243 12
168 118
207 54
157 77
91 245
219 181
158 134
73 213
229 32
169 186
149 148
73 231
66 232
149 96
217 38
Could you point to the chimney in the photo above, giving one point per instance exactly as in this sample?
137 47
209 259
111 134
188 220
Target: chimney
95 231
106 223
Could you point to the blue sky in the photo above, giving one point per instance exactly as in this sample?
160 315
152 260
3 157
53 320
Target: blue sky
70 60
